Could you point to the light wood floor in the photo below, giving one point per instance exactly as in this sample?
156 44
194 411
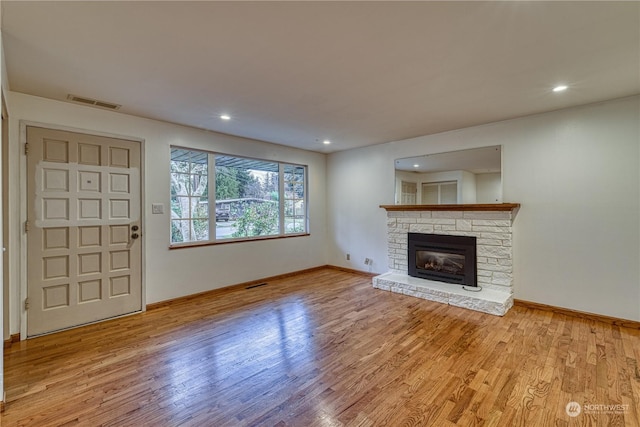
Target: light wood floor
324 348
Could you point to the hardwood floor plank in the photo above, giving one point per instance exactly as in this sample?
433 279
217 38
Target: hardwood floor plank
324 348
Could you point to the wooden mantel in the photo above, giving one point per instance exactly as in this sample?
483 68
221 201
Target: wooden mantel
462 207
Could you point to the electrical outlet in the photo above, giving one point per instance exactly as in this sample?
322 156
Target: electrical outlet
348 257
368 261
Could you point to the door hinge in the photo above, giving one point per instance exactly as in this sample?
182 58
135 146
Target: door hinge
26 148
26 303
26 226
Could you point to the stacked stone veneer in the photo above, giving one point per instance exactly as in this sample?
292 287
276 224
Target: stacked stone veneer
493 232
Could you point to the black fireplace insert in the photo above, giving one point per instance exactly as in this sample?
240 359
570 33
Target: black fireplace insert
450 259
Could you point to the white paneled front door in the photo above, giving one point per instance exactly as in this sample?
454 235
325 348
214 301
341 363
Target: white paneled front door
83 228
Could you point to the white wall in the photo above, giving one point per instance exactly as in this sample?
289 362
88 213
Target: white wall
172 273
576 174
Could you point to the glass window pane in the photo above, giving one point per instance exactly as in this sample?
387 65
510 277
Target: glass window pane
246 200
180 231
200 168
294 187
175 208
180 184
200 229
198 185
179 166
248 188
189 195
225 223
288 187
259 218
200 209
288 208
180 159
181 207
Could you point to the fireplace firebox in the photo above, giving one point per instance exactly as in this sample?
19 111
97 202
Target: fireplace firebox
444 258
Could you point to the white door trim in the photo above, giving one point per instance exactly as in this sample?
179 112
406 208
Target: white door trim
23 209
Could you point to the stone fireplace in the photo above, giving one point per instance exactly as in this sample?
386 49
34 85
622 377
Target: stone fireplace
491 228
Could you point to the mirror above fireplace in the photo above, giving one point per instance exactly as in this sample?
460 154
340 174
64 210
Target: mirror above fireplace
458 177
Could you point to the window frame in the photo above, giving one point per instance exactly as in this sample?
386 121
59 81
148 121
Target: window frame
211 201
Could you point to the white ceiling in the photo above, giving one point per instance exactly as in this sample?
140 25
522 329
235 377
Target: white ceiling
296 73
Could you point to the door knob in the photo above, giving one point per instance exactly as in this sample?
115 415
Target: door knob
134 228
135 236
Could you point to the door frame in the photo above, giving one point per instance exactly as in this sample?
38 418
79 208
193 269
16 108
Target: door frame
23 212
6 249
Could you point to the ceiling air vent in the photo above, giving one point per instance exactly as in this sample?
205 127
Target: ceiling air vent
93 102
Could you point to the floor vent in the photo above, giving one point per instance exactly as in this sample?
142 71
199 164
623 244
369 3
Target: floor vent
255 286
93 102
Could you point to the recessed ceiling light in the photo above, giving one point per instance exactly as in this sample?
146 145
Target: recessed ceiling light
225 117
416 166
326 142
560 88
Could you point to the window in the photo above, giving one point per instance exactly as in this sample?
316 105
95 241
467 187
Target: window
189 213
247 192
295 216
217 197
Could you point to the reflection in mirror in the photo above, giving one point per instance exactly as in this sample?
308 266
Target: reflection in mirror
456 177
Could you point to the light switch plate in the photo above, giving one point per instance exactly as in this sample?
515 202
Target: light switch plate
157 208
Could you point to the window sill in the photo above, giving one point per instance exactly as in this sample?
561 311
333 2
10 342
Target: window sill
236 240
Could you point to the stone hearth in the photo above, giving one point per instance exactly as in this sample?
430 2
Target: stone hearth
492 227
